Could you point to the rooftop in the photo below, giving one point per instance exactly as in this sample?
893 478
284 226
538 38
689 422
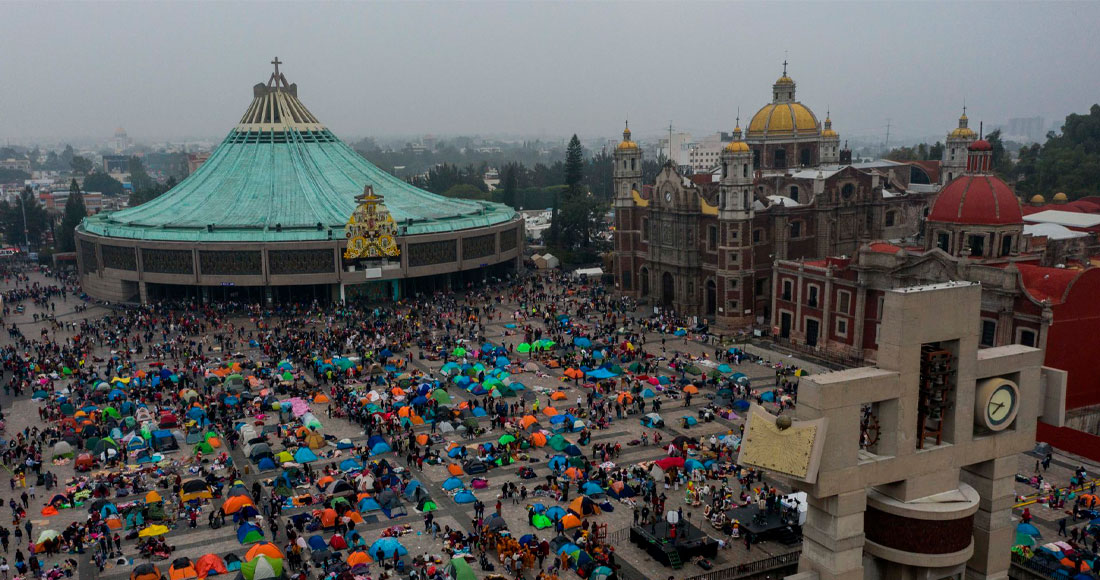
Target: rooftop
280 175
1064 218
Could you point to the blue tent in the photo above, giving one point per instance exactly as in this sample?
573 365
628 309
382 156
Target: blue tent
452 483
249 533
368 504
689 420
557 462
380 448
741 405
375 440
304 455
388 546
555 512
410 489
265 464
538 507
529 540
598 354
502 361
479 411
582 342
692 464
573 451
568 548
465 496
768 396
600 374
680 332
316 542
724 368
626 491
117 394
1028 529
350 465
420 400
591 488
648 393
196 413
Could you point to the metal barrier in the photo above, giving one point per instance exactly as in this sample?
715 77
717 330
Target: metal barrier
750 568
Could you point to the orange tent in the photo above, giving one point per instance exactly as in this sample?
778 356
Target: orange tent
210 564
235 503
152 497
354 516
550 411
557 396
321 398
49 511
538 439
573 473
321 483
574 373
328 518
417 420
691 389
182 569
358 558
397 391
570 521
421 439
214 442
454 469
263 549
527 421
626 398
113 522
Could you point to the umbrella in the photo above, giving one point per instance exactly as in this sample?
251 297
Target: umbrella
1028 529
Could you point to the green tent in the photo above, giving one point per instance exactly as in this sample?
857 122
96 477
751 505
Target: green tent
67 409
458 351
506 439
287 376
541 522
459 569
523 347
442 397
112 412
558 443
204 447
262 567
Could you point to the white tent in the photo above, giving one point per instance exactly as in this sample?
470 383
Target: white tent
588 272
546 261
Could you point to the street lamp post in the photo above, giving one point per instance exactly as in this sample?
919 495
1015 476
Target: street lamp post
26 230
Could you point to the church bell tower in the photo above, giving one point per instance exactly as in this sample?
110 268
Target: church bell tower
627 177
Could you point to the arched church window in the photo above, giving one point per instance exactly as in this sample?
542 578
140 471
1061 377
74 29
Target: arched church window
805 157
847 190
780 158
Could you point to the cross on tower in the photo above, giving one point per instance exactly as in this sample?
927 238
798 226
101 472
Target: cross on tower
785 67
276 62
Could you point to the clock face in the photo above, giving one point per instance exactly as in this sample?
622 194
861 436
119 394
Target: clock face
997 404
668 196
1001 405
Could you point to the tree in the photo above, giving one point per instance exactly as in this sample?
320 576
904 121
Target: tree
574 164
1002 164
103 183
11 219
139 179
465 191
935 152
573 220
510 185
75 212
81 165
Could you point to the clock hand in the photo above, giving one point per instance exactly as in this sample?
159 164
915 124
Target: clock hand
999 405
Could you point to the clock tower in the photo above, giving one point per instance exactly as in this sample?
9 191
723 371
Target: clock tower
627 236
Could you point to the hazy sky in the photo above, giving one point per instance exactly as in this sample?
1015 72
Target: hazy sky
186 69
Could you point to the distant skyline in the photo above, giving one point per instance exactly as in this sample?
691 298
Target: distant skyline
185 70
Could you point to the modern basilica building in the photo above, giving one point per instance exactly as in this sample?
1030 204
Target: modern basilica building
285 211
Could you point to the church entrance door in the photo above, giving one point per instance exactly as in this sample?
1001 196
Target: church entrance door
711 298
811 332
668 289
643 274
785 325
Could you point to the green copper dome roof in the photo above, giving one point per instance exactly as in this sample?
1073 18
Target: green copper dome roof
282 176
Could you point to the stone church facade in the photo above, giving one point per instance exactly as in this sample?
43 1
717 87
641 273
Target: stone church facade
704 245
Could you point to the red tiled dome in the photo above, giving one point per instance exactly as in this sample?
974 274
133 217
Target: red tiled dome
980 145
977 200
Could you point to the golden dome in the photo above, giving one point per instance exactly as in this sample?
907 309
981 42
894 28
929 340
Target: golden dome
785 80
1060 198
830 134
782 119
963 132
737 147
1038 199
627 143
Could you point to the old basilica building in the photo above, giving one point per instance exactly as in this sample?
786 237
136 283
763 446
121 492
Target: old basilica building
704 244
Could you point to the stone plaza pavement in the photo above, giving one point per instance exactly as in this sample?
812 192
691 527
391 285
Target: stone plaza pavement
195 542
